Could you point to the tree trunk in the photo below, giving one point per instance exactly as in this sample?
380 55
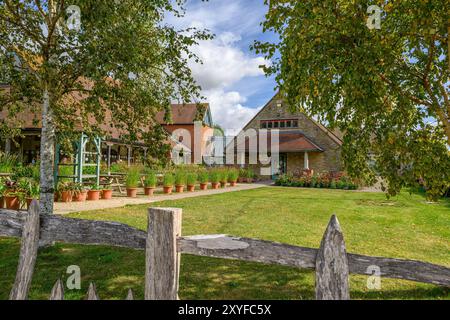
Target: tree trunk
47 156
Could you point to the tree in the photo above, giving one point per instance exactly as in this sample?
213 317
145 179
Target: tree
386 86
87 64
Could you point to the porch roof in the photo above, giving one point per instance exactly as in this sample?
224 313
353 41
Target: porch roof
289 142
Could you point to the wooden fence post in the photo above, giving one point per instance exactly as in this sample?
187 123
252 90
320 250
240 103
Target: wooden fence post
332 265
92 292
162 260
28 254
57 291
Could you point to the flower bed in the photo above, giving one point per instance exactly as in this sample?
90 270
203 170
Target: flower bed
324 180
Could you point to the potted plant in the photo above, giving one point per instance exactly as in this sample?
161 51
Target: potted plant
29 191
2 191
94 192
214 178
233 176
65 191
180 181
191 180
168 183
203 178
250 176
242 175
150 183
223 178
132 182
107 192
79 193
10 196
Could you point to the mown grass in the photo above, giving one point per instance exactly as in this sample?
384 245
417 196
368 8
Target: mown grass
403 227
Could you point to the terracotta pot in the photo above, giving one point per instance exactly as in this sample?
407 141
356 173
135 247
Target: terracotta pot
1 203
233 183
203 186
191 188
179 189
107 194
56 197
80 196
131 192
215 185
12 202
66 196
168 190
249 180
93 195
149 191
241 180
223 184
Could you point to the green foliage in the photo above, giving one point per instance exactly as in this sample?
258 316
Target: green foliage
8 162
191 178
132 178
203 176
223 175
233 175
180 178
151 180
168 180
95 187
386 89
119 167
324 180
215 175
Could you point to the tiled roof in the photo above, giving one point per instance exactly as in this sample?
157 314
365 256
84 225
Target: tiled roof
184 113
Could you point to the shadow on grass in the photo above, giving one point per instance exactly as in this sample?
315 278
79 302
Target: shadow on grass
115 270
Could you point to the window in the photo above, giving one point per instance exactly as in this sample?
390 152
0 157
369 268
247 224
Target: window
276 124
269 125
263 124
295 124
283 124
288 124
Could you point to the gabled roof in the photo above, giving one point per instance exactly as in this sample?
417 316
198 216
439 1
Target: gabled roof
335 135
183 114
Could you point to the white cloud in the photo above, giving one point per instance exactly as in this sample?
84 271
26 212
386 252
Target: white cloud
228 110
227 64
223 63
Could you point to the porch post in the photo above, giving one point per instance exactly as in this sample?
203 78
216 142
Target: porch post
129 156
306 165
109 159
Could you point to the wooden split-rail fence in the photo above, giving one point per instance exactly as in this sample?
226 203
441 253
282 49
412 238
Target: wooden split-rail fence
163 244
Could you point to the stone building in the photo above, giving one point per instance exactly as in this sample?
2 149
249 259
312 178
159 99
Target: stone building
304 144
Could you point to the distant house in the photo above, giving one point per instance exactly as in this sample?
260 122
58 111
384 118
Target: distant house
182 127
304 144
113 148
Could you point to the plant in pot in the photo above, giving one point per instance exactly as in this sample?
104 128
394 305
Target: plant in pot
242 175
223 178
203 178
191 181
94 192
151 181
79 193
214 178
250 176
180 181
30 190
132 182
10 195
168 183
233 176
107 192
65 191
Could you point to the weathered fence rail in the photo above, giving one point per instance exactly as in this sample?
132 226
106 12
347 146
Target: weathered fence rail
163 244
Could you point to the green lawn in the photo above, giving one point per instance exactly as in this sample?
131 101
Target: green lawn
403 227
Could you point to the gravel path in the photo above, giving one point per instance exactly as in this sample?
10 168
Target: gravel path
121 201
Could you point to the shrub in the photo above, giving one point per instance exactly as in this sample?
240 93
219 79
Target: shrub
333 185
168 180
151 180
223 175
191 179
8 162
132 179
180 178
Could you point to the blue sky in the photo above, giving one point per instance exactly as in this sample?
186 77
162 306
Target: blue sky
232 82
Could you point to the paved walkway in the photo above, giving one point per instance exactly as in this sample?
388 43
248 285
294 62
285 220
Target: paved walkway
121 201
